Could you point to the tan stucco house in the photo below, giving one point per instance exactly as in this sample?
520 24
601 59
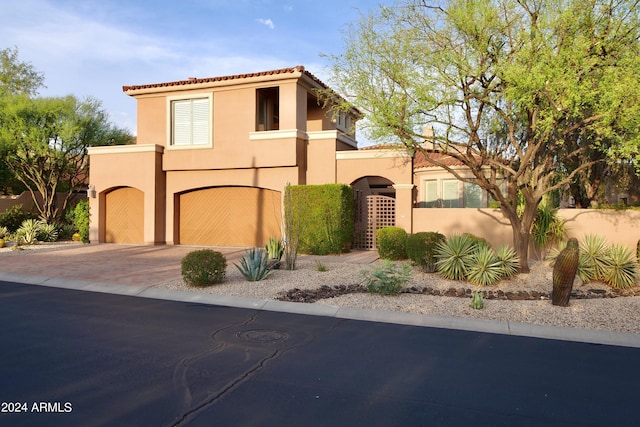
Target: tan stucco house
213 157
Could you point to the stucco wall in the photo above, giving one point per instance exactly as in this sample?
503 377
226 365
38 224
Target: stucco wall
621 227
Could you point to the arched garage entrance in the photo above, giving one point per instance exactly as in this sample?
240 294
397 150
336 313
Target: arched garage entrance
124 216
228 216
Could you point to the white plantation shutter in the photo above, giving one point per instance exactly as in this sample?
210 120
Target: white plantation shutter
450 196
191 122
431 193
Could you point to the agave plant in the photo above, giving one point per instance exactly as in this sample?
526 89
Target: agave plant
47 232
621 270
484 267
454 256
253 265
508 260
28 231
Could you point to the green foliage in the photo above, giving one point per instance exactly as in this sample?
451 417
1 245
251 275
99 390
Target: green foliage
476 301
47 232
274 248
79 215
203 267
455 256
508 261
46 141
16 77
253 265
392 243
320 266
484 268
622 269
13 217
567 74
599 261
4 231
548 229
389 278
477 240
421 249
294 226
326 217
28 231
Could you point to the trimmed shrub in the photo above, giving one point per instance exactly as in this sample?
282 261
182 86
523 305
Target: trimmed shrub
204 267
326 217
392 243
78 215
421 249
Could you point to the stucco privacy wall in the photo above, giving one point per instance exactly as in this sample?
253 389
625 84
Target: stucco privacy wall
619 227
137 166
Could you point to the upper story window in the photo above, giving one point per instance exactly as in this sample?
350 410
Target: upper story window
191 122
268 109
343 122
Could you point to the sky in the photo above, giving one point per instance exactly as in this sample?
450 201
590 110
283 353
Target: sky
92 48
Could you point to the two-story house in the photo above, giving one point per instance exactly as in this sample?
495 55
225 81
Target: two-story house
213 156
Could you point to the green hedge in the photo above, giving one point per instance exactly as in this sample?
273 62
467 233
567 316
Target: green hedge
327 217
392 243
421 249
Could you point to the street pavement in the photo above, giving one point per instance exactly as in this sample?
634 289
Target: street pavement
78 358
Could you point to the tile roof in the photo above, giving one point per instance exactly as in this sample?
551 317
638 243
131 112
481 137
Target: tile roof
193 80
421 159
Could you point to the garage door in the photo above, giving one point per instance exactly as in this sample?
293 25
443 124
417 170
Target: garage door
229 216
124 216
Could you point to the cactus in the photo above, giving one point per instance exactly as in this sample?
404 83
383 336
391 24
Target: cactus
564 273
476 301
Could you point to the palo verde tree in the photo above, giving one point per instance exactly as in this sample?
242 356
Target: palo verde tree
47 141
513 89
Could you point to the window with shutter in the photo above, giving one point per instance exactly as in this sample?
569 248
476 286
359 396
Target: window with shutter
190 122
450 198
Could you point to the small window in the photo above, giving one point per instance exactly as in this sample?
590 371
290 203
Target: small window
431 194
450 197
472 195
190 122
268 109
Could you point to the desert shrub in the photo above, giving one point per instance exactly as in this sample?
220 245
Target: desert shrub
392 243
47 232
253 265
321 266
388 278
78 215
484 268
621 269
203 267
28 231
477 240
508 260
4 231
13 217
421 249
274 248
454 256
548 228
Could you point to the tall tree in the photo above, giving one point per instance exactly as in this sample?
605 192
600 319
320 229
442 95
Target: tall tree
506 84
16 77
48 140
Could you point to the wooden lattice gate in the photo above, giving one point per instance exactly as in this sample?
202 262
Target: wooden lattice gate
372 213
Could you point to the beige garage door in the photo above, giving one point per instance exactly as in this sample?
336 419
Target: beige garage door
124 216
229 216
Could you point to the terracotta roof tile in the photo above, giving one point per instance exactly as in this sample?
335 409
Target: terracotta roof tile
421 160
193 80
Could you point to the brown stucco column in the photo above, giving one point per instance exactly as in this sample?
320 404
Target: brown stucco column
404 206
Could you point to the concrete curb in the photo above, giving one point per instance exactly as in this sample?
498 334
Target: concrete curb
400 318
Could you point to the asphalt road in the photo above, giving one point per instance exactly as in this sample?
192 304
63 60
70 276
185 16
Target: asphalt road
73 358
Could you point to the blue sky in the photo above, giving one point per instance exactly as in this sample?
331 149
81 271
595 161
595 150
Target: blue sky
93 48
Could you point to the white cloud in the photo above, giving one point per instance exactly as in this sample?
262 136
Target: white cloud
267 22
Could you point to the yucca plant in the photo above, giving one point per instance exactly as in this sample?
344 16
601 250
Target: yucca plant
484 267
594 253
454 256
253 265
621 269
4 231
508 260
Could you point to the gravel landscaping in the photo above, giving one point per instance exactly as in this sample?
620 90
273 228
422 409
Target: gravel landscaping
525 298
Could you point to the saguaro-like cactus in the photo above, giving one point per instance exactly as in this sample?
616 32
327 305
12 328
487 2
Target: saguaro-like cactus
564 273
